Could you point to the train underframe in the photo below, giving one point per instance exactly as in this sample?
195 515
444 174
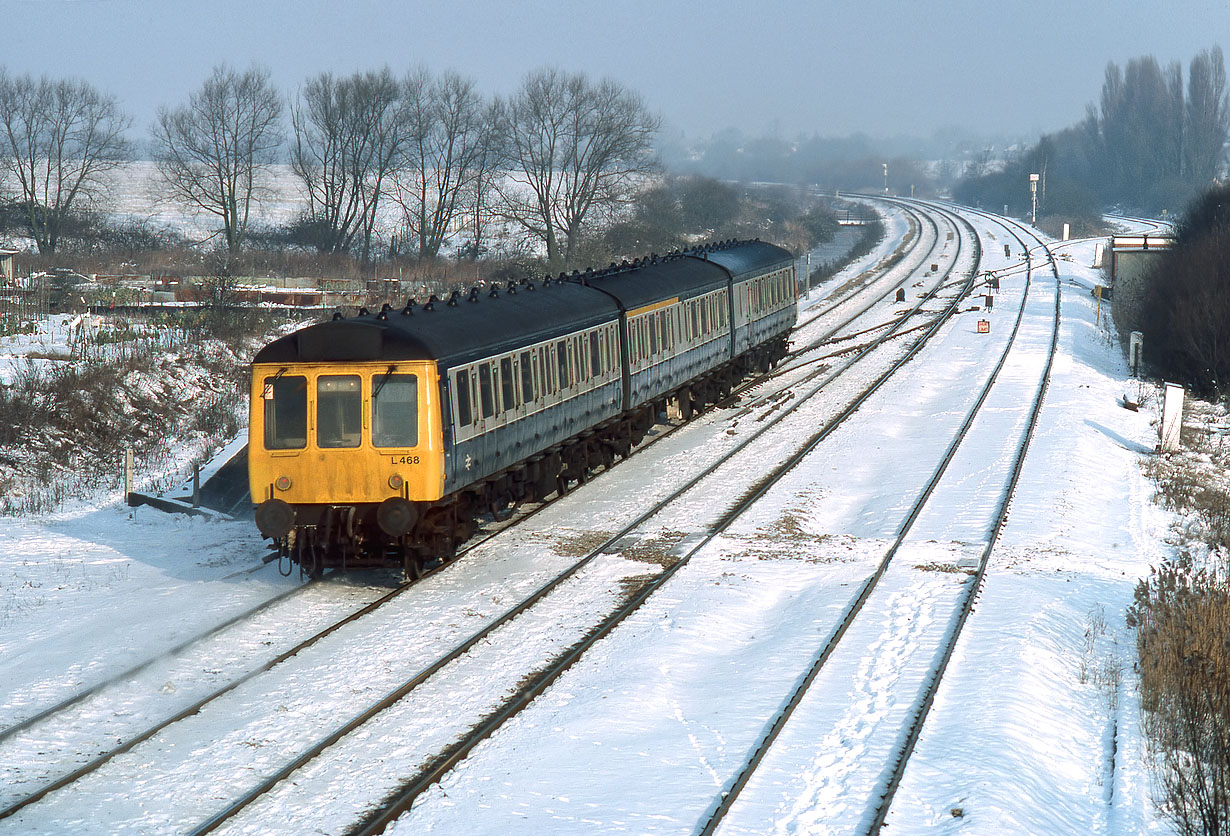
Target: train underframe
416 537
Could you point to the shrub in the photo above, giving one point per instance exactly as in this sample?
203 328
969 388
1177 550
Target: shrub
1180 613
1185 314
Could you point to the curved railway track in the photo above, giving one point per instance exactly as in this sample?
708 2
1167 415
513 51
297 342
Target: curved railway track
892 329
877 809
536 683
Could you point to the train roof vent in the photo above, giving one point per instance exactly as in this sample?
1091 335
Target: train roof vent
364 312
453 297
494 293
337 315
409 309
383 316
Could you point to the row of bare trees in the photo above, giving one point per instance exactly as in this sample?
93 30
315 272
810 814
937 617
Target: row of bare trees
417 157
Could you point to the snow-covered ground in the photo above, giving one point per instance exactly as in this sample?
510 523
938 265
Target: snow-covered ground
1034 729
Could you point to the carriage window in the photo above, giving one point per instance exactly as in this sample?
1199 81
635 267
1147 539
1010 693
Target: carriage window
508 383
486 396
595 354
544 365
285 413
395 410
465 413
339 410
527 377
561 356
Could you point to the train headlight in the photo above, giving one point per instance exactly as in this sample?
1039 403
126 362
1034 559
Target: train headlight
283 483
395 482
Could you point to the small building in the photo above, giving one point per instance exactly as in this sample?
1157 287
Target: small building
1131 259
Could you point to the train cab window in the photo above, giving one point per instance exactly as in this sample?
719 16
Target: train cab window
339 410
285 412
508 383
486 394
395 410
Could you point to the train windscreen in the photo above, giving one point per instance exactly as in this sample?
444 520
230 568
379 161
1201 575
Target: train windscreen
285 412
395 410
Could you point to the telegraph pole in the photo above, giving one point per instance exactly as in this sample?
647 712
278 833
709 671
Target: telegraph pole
1033 199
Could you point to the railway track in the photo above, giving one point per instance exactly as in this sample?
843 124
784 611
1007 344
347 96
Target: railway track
194 652
869 604
313 640
530 686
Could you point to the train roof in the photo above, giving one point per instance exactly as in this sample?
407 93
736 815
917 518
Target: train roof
680 276
748 257
486 321
467 325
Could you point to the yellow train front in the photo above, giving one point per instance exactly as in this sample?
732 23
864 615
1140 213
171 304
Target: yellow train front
380 441
345 444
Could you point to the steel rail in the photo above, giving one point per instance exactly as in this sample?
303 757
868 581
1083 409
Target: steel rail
401 801
130 743
890 780
397 694
727 797
165 654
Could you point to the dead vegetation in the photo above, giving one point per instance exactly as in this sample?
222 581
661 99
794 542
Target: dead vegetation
947 568
66 421
658 550
1180 614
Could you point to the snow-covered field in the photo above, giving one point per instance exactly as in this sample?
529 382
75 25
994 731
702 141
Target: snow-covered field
1034 730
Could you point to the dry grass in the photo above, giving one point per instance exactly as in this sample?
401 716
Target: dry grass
1181 614
657 550
579 544
1196 481
947 568
64 424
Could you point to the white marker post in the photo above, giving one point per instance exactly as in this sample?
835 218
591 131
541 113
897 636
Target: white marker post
1136 347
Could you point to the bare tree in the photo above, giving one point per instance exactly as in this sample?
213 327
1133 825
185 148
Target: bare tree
60 137
575 149
214 152
1208 117
347 135
487 167
447 156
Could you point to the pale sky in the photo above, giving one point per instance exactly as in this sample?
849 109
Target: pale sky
880 67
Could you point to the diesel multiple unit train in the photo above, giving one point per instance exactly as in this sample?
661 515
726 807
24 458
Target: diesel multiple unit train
378 441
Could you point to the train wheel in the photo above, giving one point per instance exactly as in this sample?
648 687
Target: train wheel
411 564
